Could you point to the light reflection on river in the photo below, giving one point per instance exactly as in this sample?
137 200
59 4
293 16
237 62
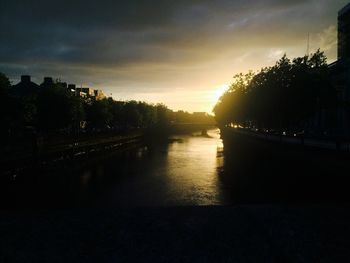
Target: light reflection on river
183 172
189 170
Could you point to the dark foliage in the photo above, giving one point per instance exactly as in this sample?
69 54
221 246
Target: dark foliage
51 107
285 96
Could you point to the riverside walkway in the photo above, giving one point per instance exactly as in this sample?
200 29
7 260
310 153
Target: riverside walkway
343 146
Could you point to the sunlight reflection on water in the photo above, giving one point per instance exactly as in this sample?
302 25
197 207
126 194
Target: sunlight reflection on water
184 172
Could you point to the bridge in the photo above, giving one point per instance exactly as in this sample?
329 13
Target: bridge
192 127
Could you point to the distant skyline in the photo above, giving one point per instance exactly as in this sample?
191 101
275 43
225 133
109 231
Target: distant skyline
181 53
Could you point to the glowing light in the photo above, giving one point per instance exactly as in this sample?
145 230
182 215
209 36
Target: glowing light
219 91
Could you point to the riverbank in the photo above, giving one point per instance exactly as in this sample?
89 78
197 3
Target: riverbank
156 173
52 149
340 145
263 171
55 151
179 234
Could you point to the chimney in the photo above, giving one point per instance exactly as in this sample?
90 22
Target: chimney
25 78
71 86
48 80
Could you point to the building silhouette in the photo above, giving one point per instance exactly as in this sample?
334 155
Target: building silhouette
25 88
89 92
71 87
340 71
344 33
99 95
47 83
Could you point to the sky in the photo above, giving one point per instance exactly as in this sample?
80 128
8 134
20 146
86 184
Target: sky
182 53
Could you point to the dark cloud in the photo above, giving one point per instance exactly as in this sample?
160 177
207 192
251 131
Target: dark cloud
136 43
120 32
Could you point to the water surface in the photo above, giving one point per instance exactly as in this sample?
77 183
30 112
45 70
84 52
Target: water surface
183 171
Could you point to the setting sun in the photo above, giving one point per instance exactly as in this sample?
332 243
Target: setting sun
219 91
214 95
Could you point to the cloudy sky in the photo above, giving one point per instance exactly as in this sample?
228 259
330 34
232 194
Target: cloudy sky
179 52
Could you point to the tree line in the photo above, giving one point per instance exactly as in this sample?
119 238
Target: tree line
57 109
292 95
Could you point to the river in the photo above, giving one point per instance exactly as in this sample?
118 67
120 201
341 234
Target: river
181 172
184 171
187 170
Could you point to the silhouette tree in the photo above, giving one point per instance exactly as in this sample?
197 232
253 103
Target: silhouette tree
98 114
53 107
285 96
58 108
5 104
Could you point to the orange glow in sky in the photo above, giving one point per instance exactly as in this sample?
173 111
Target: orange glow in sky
180 53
